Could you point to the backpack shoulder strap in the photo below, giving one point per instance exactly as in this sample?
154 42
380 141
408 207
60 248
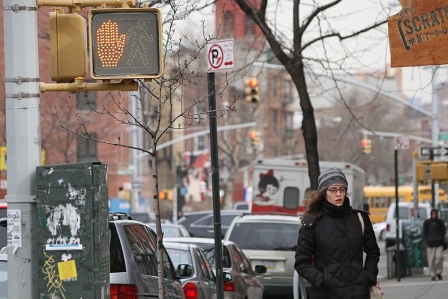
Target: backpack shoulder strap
362 222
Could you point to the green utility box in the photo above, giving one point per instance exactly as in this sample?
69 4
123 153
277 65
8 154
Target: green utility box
73 231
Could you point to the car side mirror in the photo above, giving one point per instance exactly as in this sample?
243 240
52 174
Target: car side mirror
184 270
227 277
260 269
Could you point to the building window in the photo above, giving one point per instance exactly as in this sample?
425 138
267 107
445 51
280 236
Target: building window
249 27
85 100
200 143
274 86
274 120
287 96
228 24
87 149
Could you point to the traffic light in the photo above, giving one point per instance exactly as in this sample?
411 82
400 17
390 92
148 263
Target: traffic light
251 88
125 43
68 46
254 138
366 146
162 195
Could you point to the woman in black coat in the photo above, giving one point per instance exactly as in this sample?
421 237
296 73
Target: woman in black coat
331 243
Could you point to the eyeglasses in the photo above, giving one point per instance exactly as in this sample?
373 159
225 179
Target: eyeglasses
335 190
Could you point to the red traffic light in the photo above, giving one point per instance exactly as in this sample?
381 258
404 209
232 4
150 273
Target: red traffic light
253 134
253 82
364 142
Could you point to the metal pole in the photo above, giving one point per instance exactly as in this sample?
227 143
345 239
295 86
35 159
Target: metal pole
434 132
397 222
135 207
414 179
215 183
23 140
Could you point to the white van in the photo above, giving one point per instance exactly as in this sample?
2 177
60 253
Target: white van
405 212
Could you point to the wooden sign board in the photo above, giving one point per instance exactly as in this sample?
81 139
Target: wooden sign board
418 34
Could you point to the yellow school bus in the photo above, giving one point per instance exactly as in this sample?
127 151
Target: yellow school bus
379 198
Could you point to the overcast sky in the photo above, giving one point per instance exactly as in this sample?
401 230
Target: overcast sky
347 17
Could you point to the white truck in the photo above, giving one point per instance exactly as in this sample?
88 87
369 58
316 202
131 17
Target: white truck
279 185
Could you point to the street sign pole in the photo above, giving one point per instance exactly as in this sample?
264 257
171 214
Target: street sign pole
219 58
215 183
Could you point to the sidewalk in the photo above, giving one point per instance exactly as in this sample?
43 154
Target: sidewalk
416 286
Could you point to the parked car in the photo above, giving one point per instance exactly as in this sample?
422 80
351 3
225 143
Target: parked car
3 241
405 212
171 230
201 281
380 230
242 205
241 281
133 261
142 217
201 223
269 240
3 273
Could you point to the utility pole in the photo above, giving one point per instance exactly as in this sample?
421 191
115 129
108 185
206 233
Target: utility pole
23 140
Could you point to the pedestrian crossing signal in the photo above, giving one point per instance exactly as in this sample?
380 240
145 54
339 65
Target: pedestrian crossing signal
125 43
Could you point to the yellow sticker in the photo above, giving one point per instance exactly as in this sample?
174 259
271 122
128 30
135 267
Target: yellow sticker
67 270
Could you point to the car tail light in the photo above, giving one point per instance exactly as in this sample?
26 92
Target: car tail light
388 227
229 286
190 291
123 291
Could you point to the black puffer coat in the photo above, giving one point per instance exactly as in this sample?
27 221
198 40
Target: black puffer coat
336 242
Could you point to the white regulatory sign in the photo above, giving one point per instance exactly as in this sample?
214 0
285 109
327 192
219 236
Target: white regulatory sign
401 142
220 55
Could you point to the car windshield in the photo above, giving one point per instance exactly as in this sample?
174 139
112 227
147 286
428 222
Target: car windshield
168 231
265 236
405 212
3 280
179 256
209 251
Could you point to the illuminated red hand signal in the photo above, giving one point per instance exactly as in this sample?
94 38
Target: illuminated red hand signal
110 45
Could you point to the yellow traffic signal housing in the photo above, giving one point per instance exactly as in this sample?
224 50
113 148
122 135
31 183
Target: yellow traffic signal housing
255 138
125 43
420 172
366 146
439 172
252 90
68 46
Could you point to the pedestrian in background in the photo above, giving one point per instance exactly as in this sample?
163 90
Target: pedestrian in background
434 233
331 243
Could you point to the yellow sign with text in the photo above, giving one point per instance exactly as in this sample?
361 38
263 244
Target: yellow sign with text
418 34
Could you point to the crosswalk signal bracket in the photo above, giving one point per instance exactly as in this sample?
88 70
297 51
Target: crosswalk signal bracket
252 90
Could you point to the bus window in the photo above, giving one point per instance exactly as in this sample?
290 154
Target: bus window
291 198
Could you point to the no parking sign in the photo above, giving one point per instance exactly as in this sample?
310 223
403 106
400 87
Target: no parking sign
220 55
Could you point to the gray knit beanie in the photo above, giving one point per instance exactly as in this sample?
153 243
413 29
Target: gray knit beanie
330 177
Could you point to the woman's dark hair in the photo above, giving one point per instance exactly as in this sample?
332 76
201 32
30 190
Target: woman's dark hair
313 203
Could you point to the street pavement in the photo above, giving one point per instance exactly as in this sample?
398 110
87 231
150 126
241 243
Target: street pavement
416 286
